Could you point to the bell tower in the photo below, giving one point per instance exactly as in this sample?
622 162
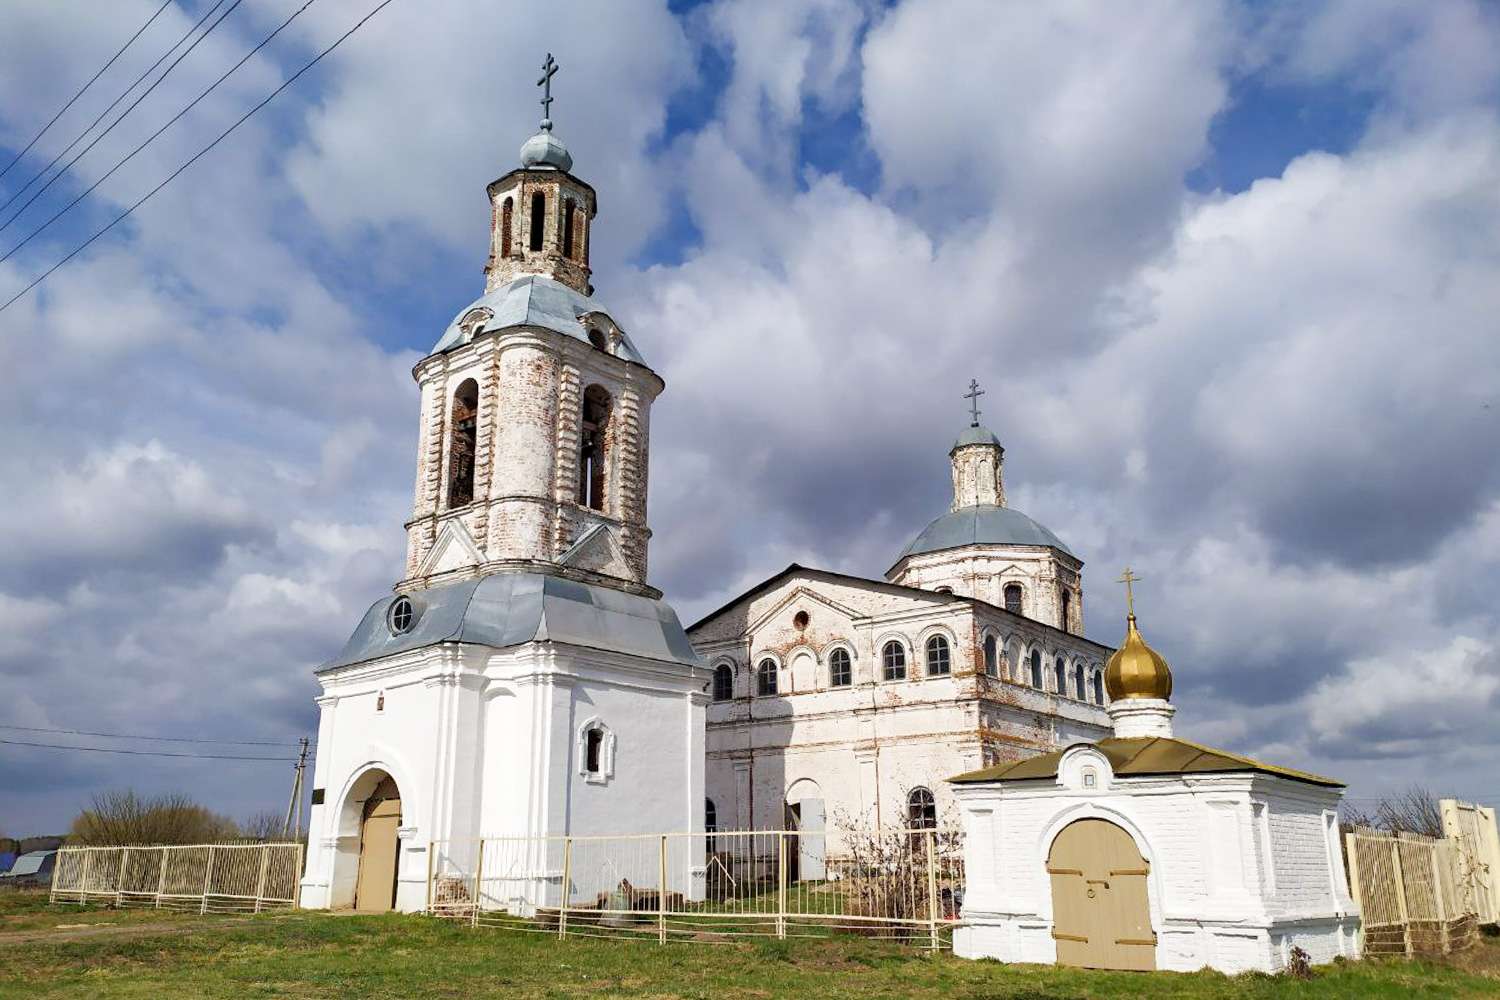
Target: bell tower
535 403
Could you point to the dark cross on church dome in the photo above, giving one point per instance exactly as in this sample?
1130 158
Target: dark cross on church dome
973 397
549 69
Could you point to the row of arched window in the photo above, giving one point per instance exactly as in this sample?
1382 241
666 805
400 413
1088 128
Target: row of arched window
1080 681
593 445
921 812
571 226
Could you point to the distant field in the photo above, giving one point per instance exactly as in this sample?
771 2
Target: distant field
146 955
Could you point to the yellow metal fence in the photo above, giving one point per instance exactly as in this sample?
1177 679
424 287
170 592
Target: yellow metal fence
1415 894
207 878
904 885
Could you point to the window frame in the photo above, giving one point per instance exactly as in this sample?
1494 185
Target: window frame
921 809
836 654
937 648
720 670
887 666
761 674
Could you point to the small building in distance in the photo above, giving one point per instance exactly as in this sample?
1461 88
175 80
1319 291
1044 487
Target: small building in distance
1144 851
31 869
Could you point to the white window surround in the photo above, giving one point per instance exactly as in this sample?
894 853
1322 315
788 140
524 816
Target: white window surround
606 752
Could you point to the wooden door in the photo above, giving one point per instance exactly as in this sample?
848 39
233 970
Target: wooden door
1101 916
376 890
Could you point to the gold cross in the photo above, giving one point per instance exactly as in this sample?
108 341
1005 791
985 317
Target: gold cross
1127 579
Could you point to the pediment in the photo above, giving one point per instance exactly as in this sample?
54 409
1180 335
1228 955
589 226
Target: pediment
597 550
453 549
803 591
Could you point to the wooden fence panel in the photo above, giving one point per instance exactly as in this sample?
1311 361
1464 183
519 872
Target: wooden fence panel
1415 895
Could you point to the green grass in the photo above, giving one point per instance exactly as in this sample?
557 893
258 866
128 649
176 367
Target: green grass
318 955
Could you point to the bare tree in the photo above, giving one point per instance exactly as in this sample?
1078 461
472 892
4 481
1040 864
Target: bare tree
125 817
263 826
1412 811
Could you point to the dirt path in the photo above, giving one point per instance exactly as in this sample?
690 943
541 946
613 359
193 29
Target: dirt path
110 931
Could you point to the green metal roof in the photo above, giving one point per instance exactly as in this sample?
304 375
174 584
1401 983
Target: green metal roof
1149 755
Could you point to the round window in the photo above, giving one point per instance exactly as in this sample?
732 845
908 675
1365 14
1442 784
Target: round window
800 619
401 616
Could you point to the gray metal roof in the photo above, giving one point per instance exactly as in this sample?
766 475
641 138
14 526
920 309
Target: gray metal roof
984 524
507 609
534 300
974 434
29 864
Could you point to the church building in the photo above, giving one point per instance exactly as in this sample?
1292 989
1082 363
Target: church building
523 677
846 701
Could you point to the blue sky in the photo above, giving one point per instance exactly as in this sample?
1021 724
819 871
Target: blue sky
1227 270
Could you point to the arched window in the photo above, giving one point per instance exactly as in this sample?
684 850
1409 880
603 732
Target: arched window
567 233
1067 604
1078 687
991 657
938 661
710 817
840 673
593 760
943 590
893 661
592 447
723 682
1036 669
596 337
1060 676
461 437
1013 597
765 678
921 809
538 219
1098 687
507 223
1013 660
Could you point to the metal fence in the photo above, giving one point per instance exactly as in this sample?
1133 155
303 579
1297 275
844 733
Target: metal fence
206 878
1415 895
903 885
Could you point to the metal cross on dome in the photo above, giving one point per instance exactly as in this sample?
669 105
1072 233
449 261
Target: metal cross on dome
973 397
1127 579
549 69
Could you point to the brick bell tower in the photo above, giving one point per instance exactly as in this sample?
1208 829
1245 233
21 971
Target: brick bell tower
535 409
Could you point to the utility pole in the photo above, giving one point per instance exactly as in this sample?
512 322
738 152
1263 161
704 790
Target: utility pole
295 803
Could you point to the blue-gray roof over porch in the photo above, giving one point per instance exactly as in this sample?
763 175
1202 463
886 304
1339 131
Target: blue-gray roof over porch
508 609
534 300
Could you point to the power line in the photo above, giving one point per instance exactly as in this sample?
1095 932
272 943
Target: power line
157 739
144 753
123 114
150 139
121 51
194 158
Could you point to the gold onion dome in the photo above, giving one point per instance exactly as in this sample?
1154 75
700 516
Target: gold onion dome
1136 670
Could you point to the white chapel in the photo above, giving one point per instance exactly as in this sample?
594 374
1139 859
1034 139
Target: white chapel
523 678
1144 851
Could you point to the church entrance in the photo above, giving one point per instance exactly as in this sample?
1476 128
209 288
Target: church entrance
379 854
1101 916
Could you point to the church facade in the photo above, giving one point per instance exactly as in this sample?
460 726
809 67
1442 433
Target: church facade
840 701
523 678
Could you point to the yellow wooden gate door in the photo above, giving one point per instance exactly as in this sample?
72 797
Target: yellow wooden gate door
376 890
1101 917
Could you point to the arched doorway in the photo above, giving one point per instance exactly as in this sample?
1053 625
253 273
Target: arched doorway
805 850
1101 915
379 849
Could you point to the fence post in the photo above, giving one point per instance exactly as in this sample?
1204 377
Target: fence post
297 873
661 896
1439 865
478 882
932 899
562 911
1354 889
83 883
120 878
208 874
431 860
161 878
260 883
781 885
1401 895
